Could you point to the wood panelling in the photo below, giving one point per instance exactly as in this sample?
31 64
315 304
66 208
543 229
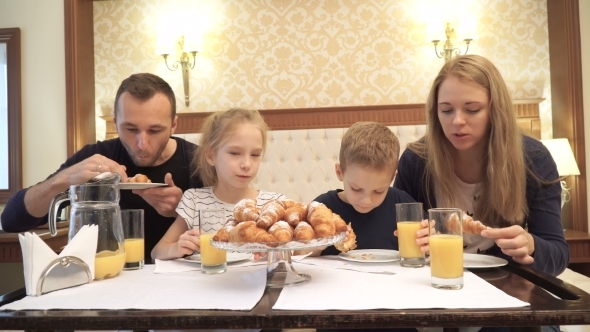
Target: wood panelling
11 38
567 102
344 116
79 47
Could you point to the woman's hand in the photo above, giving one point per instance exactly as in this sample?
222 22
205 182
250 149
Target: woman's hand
188 243
422 238
514 241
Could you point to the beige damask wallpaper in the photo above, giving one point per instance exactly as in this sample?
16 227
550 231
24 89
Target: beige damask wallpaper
298 53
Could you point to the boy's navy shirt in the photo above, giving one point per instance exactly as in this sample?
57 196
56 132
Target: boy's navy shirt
374 229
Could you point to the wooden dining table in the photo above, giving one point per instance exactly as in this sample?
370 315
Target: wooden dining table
552 302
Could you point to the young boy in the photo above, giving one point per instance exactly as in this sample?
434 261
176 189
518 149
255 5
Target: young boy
369 155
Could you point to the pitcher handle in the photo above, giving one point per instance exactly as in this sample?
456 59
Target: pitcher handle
53 207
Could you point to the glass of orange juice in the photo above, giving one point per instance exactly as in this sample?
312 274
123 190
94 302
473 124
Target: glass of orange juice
133 232
408 218
213 260
446 248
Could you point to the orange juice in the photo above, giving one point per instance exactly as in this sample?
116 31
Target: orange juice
108 264
134 250
406 234
446 256
209 255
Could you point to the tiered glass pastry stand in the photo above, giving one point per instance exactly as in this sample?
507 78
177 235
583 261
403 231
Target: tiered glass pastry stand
279 268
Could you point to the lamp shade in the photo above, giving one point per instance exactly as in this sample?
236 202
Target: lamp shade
562 154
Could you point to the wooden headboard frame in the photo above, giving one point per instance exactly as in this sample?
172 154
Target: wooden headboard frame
527 111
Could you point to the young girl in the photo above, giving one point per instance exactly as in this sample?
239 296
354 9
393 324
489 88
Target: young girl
227 160
475 158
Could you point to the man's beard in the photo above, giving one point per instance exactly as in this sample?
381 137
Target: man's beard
144 162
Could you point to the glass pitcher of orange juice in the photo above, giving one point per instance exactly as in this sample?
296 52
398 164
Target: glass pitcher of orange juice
97 203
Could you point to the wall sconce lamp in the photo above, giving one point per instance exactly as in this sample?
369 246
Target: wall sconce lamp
448 50
562 154
185 64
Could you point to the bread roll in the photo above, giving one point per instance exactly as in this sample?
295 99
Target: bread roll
303 232
139 178
248 232
321 219
282 231
245 210
271 212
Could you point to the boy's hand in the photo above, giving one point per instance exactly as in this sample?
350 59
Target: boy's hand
421 236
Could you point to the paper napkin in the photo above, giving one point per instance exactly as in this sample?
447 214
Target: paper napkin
38 256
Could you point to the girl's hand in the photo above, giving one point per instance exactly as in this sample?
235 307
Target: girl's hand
514 241
188 243
259 255
421 236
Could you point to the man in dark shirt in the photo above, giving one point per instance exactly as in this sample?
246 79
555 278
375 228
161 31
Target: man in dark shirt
145 116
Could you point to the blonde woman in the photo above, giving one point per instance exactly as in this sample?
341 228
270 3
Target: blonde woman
474 157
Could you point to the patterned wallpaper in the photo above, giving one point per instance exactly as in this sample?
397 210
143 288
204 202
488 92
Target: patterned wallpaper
296 53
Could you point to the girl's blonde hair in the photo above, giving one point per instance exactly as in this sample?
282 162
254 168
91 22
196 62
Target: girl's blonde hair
502 201
216 130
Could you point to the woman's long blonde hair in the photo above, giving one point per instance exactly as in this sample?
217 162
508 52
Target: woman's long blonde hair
216 130
502 201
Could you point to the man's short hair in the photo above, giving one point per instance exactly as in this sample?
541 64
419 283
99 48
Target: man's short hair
369 144
144 86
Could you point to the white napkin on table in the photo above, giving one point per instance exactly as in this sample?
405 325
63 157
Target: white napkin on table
37 256
236 289
338 289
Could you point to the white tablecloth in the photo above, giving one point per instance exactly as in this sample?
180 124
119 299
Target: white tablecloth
236 289
340 289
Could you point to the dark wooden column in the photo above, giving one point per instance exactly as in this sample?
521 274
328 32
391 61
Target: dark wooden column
79 44
566 99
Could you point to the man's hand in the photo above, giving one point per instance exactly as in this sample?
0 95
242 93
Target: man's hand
163 199
514 241
38 197
89 168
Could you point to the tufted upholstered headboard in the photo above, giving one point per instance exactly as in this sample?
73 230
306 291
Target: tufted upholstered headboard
304 143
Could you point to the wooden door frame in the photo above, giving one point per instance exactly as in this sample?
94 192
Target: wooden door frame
565 67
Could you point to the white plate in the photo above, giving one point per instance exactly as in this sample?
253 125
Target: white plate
232 257
371 255
475 261
139 185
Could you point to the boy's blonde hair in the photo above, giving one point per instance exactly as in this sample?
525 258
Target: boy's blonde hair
369 144
502 200
216 130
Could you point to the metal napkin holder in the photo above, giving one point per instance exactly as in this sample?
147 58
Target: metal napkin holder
63 272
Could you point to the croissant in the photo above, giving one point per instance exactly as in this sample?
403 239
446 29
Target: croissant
223 233
470 226
347 244
272 211
320 218
303 232
296 213
339 223
245 210
282 231
248 232
287 203
139 178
